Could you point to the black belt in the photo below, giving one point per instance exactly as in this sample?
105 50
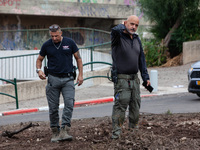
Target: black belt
61 75
127 76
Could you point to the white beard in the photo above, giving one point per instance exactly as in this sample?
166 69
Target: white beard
130 32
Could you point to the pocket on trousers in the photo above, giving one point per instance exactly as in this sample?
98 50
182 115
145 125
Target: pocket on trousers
121 84
48 87
123 96
138 81
117 94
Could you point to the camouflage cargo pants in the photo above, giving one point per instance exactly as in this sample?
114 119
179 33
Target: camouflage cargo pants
127 93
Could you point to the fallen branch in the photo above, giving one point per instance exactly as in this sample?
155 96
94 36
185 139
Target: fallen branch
10 134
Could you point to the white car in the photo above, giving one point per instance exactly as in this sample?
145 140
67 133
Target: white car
194 78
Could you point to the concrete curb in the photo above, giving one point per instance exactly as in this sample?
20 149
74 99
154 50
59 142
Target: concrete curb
20 111
76 104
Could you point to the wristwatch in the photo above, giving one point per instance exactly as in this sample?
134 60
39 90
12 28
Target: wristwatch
37 70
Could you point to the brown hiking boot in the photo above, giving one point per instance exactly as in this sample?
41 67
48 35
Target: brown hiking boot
64 134
134 129
55 134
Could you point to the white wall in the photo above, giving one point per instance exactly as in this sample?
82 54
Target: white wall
24 68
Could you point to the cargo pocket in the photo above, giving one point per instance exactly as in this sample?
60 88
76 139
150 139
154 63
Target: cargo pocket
138 81
117 94
123 96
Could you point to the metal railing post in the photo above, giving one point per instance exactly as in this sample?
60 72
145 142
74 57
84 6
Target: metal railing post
15 86
27 33
93 38
91 59
16 94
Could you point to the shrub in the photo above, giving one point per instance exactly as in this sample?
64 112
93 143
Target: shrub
154 53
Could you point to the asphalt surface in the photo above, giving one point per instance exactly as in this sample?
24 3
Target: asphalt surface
170 103
171 80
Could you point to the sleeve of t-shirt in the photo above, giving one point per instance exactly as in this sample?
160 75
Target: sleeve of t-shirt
74 47
43 51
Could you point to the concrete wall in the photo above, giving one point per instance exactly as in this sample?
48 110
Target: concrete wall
64 8
40 14
26 90
15 22
191 51
36 89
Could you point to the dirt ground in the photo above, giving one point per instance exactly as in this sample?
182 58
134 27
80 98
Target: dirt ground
176 61
156 132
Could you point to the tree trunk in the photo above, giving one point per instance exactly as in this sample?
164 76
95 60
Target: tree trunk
168 36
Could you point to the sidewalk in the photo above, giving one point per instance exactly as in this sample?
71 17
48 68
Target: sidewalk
171 80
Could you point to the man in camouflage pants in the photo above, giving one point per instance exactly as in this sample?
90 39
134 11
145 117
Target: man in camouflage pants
128 58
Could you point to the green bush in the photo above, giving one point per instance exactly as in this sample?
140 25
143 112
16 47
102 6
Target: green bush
154 53
166 15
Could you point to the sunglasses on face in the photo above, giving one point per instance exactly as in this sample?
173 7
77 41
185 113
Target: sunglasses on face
54 28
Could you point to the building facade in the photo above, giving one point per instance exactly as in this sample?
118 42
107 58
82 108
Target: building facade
40 14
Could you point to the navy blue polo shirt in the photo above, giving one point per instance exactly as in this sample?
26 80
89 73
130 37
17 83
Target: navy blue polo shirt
60 59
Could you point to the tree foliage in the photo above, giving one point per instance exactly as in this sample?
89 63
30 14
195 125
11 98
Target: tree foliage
176 21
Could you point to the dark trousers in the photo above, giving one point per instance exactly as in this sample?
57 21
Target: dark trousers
54 88
127 93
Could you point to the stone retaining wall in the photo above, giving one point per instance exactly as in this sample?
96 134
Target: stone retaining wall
191 51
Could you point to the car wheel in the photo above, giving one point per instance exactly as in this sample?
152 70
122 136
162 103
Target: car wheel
198 94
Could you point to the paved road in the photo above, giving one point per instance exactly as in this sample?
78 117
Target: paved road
176 103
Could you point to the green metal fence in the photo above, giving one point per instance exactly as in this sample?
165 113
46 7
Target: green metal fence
96 62
15 87
23 67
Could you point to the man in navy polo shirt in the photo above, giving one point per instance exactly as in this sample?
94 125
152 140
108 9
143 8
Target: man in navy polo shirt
60 51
